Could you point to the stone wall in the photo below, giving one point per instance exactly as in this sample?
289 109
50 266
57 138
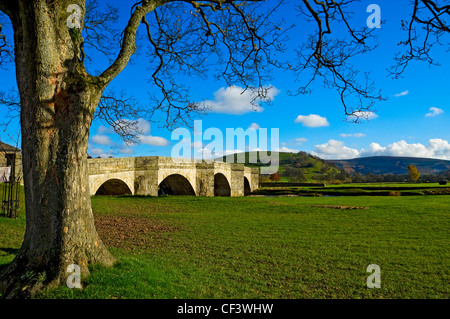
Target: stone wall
143 175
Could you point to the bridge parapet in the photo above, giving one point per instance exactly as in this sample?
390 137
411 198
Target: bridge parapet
146 162
143 175
110 165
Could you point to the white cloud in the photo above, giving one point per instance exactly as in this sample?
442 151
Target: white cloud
434 111
335 150
375 148
104 130
312 120
214 154
440 148
126 150
153 140
254 126
143 126
139 126
404 93
285 149
366 115
229 152
436 148
96 152
234 100
100 139
358 135
300 140
197 144
402 148
185 140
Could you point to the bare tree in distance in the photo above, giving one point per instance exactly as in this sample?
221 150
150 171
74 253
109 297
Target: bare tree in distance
241 42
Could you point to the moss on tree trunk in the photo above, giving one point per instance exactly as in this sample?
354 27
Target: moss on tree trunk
58 101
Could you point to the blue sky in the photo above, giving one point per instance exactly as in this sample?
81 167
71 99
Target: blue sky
412 122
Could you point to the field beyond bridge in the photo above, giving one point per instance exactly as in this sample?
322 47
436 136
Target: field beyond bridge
353 189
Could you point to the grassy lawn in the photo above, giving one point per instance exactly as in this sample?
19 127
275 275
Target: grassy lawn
362 189
394 185
264 247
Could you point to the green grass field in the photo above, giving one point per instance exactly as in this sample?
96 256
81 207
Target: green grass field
393 185
264 247
362 189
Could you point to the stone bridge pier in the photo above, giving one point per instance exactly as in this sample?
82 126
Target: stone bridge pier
157 175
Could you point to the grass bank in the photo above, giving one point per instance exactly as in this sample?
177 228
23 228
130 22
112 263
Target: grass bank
369 189
261 247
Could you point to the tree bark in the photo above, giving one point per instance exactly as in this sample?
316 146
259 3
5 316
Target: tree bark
58 100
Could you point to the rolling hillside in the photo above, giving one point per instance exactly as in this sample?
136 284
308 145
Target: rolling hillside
306 167
301 166
392 165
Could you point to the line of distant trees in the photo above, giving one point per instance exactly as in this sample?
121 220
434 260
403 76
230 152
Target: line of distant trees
331 173
297 176
388 178
334 176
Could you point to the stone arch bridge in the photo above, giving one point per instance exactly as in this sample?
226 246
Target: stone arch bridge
157 175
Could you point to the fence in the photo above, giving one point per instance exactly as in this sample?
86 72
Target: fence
10 188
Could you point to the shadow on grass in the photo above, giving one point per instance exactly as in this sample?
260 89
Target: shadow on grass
8 251
125 196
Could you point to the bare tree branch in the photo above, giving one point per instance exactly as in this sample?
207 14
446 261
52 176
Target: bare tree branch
427 27
99 30
6 50
128 45
330 58
235 38
122 113
11 101
242 43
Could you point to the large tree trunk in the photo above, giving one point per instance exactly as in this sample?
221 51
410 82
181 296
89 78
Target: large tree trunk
58 100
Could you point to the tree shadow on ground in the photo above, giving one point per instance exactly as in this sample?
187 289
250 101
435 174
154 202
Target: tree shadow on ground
7 251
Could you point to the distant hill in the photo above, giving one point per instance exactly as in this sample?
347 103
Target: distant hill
392 165
315 168
291 164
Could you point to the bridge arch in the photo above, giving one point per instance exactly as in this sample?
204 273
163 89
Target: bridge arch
221 185
176 184
113 186
247 188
